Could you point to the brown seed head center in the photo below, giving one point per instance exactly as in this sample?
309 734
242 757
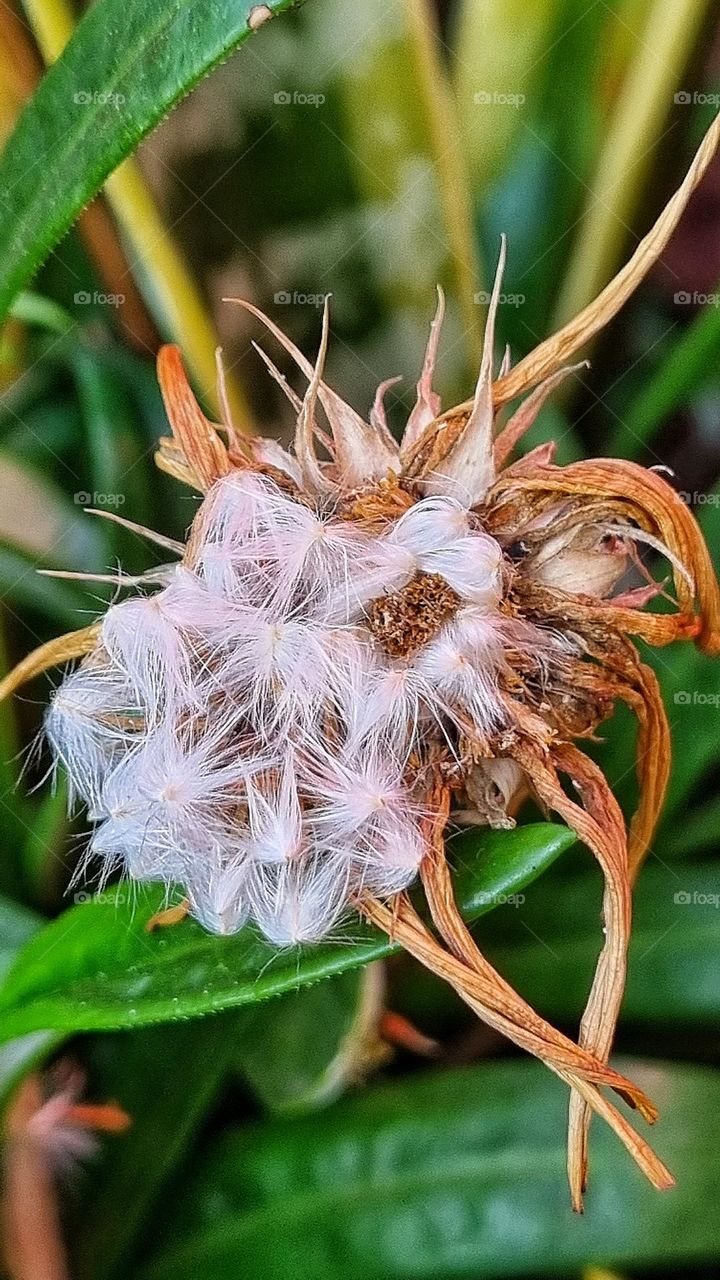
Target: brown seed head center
405 620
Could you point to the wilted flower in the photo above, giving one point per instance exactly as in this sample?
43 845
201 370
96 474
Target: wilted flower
363 639
48 1132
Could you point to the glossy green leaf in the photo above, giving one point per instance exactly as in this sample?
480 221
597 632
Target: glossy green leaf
96 967
17 926
126 65
447 1176
295 1052
301 1052
548 947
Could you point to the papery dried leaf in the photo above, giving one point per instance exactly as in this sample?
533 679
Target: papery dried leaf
558 349
587 613
467 467
270 455
203 450
493 788
650 501
279 377
653 758
361 452
170 458
600 825
236 451
490 997
497 1004
170 544
561 565
313 478
524 417
427 405
605 836
561 346
378 417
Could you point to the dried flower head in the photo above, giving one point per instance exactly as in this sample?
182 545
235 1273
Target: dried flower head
362 639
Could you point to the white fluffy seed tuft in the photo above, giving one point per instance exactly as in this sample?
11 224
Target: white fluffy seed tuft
243 733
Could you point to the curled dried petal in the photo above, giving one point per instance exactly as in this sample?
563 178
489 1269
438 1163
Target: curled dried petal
201 446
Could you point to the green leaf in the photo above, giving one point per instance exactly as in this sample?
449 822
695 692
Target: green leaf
42 850
166 1079
448 1176
35 309
547 158
115 455
97 968
681 373
127 64
697 832
299 1053
26 589
548 948
501 58
17 926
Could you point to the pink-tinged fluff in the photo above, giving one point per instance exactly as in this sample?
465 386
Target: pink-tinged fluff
366 641
243 733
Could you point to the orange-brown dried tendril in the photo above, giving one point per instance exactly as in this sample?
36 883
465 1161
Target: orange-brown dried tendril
475 614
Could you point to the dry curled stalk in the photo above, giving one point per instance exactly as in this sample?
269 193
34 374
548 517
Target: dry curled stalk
367 641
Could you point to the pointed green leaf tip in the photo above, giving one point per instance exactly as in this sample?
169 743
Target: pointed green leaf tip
127 64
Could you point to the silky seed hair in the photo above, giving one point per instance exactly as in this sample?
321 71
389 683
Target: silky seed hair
364 643
257 730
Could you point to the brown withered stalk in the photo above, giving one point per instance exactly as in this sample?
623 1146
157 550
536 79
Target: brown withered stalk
567 535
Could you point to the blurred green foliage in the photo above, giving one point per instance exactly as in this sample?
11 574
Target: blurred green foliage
372 151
